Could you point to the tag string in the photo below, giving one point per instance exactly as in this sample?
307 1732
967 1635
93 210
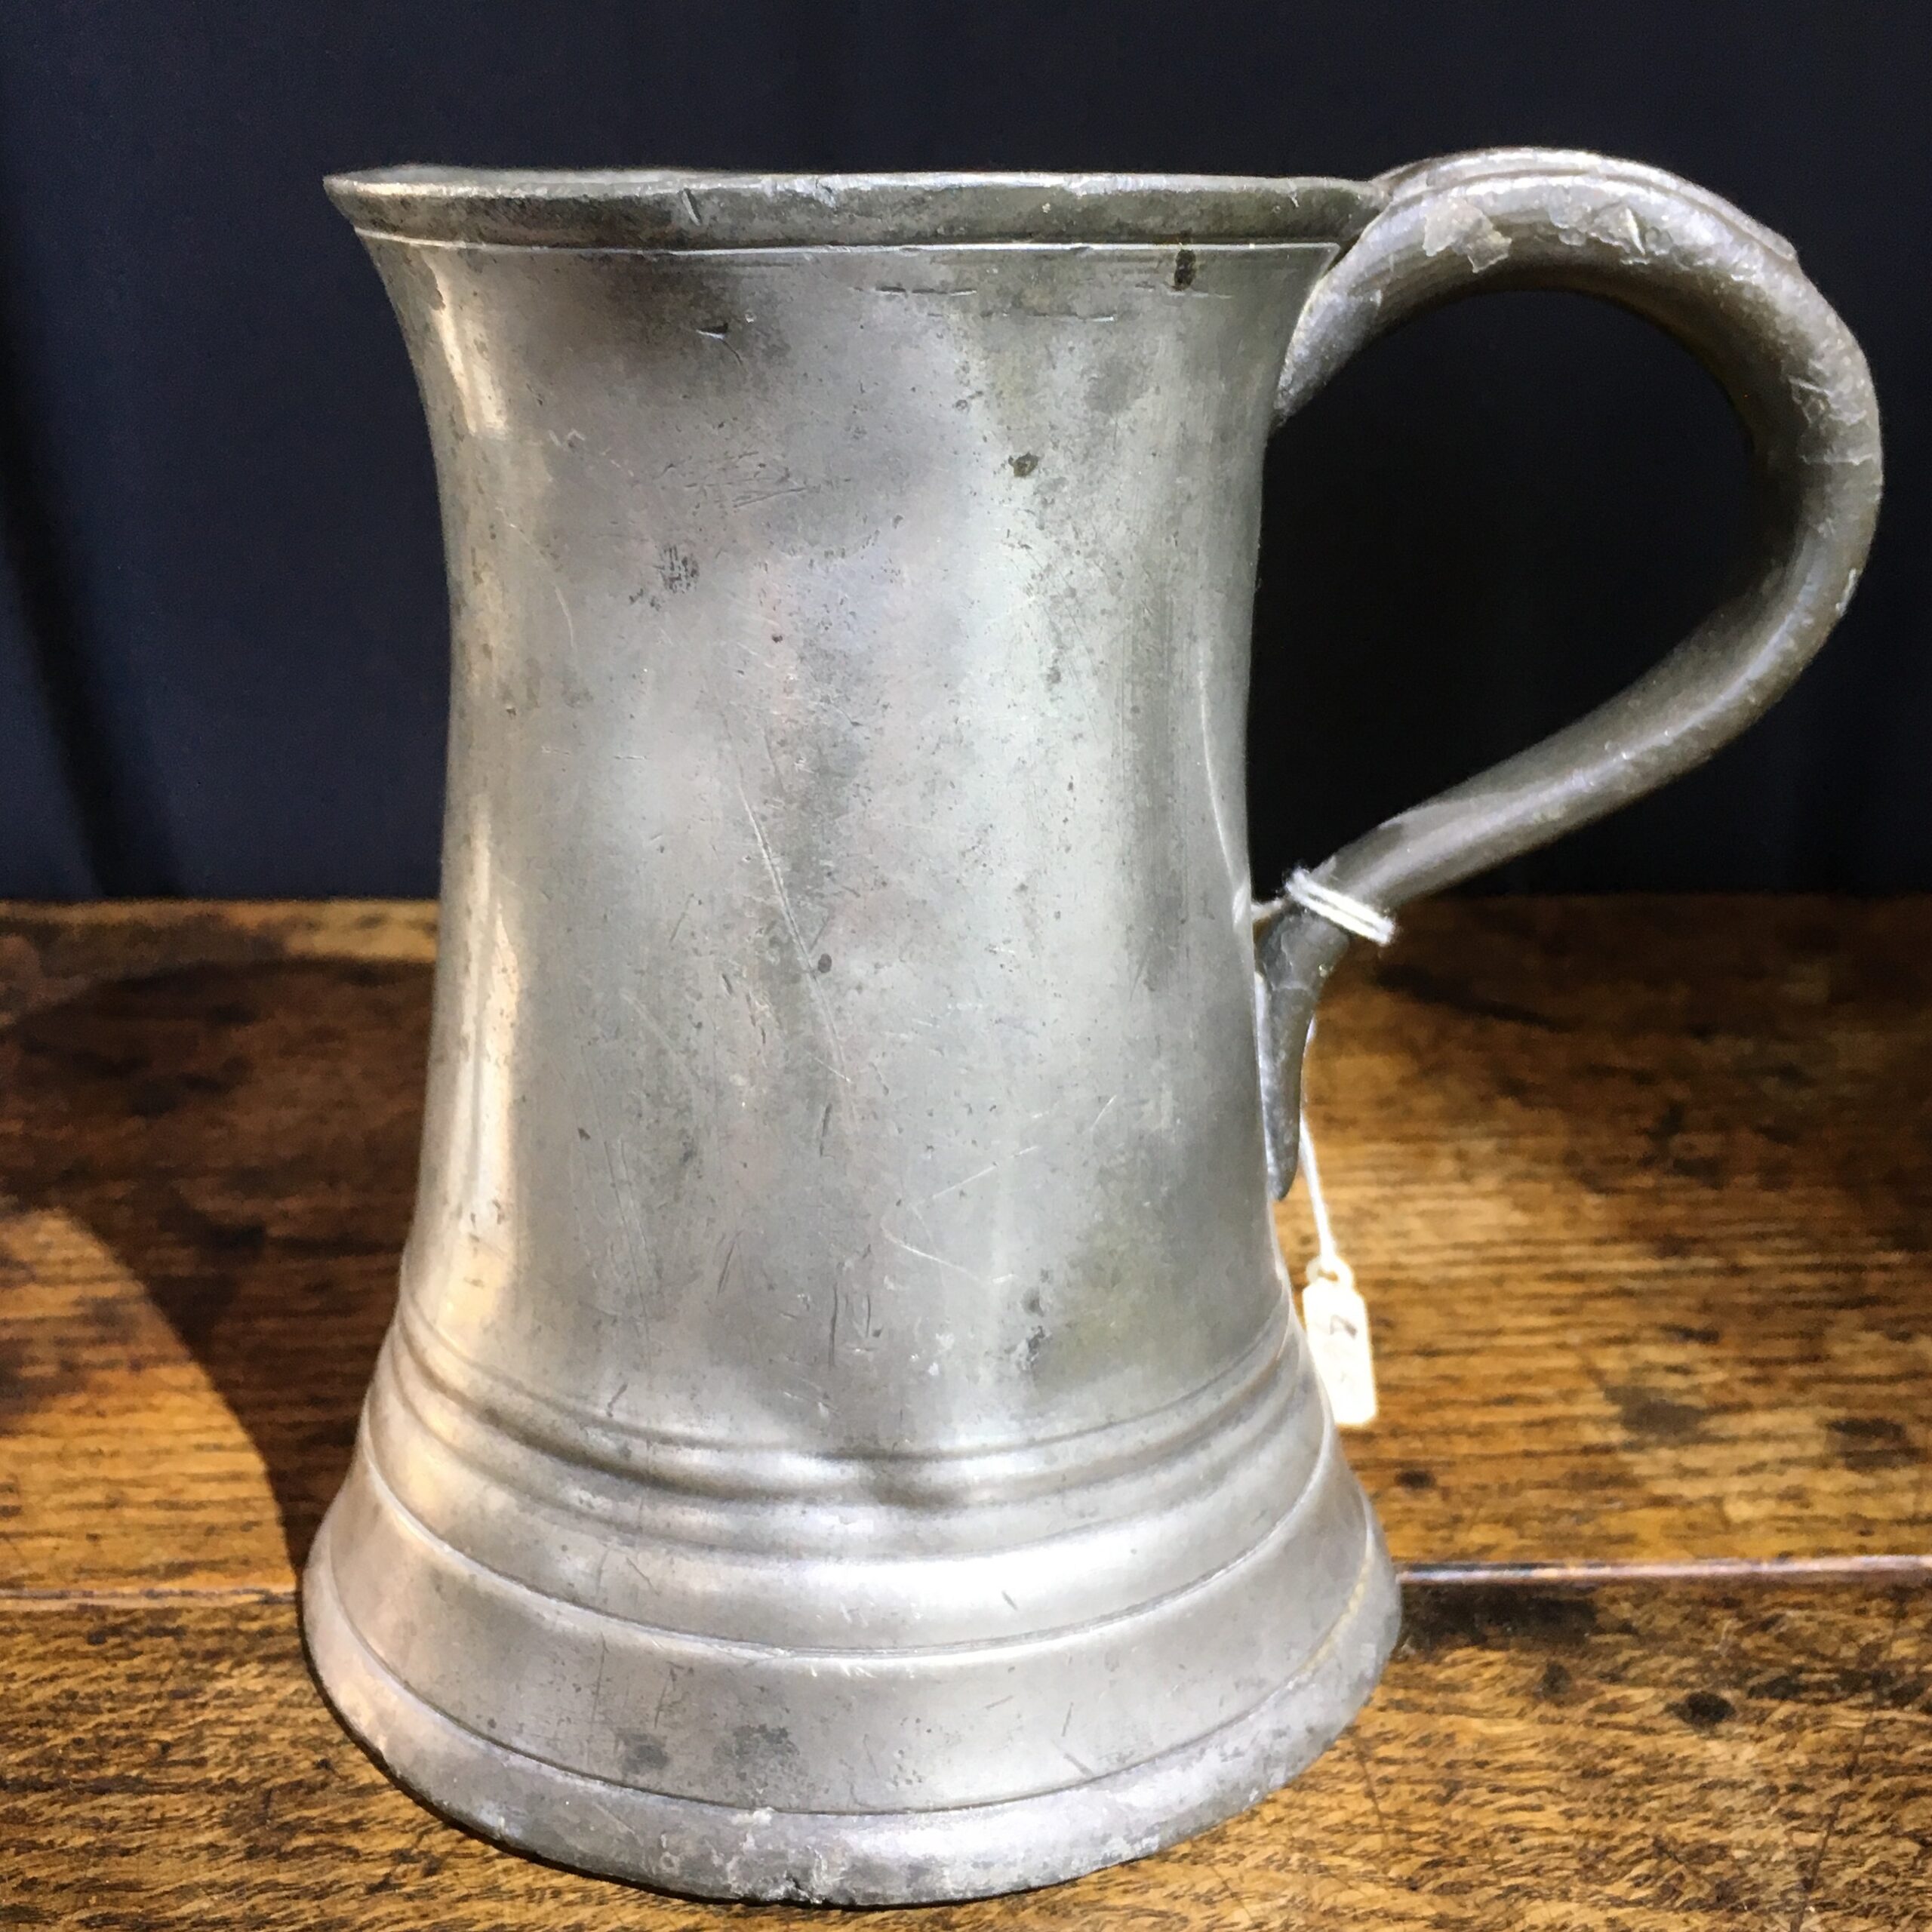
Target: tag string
1327 1257
1327 1265
1334 1315
1356 916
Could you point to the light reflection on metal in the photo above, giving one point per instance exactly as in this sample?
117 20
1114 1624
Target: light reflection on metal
845 1434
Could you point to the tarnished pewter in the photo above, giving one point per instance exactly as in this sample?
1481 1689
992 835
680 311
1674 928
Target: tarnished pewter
845 1435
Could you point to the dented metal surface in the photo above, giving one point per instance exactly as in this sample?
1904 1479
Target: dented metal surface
844 1435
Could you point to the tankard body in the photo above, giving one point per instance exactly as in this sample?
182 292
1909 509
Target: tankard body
845 1433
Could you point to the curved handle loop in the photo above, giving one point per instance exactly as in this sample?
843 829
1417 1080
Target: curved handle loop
1732 292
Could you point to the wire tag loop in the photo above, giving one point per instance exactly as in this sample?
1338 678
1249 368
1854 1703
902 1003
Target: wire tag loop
1339 909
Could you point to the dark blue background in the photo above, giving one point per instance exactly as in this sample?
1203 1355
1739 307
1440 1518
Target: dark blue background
222 635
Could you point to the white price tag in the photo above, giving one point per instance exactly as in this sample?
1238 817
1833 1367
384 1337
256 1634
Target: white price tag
1337 1318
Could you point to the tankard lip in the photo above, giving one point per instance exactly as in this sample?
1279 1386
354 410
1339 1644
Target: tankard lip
700 209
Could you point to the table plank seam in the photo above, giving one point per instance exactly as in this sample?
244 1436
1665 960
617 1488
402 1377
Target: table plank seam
1577 1575
56 1598
1712 1569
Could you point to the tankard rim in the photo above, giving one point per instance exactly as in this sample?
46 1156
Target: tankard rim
699 209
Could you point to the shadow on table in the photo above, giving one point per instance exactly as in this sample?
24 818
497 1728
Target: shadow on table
243 1138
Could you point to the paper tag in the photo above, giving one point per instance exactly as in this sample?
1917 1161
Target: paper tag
1337 1318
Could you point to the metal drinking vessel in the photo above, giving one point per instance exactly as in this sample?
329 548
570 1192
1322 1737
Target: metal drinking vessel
845 1434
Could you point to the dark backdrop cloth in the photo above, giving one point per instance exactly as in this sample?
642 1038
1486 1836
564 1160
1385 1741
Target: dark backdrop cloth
222 635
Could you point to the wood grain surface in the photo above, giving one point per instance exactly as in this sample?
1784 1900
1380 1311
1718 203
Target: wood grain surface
1622 1757
1639 1193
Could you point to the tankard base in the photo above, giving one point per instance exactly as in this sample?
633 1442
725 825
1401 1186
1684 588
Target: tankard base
705 1850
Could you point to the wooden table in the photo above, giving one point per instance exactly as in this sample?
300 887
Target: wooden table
1641 1195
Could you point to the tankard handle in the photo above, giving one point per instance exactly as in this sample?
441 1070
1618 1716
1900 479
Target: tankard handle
1733 293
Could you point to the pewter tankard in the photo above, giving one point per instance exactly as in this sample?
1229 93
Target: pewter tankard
845 1435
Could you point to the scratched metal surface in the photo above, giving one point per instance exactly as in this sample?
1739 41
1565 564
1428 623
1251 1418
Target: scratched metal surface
841 1326
841 1332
